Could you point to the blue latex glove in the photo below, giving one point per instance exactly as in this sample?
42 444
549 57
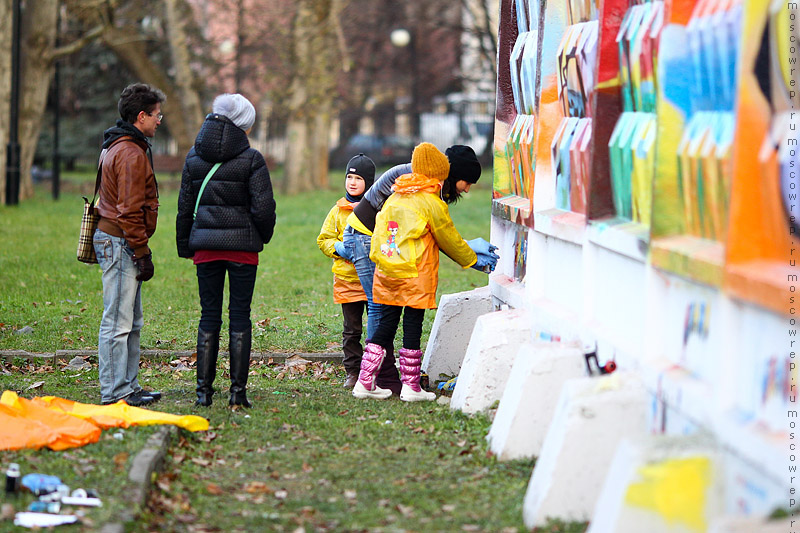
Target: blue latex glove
482 246
40 483
342 250
486 263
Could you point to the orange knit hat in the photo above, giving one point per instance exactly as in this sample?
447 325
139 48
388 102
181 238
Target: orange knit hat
430 161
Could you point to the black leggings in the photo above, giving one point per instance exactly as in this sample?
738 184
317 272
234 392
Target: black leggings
390 319
211 285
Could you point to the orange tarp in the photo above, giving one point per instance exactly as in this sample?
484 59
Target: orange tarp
121 414
55 430
19 432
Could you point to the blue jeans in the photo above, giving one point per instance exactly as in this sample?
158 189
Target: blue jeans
211 286
121 325
358 245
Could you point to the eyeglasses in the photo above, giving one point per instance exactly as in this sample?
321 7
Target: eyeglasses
158 117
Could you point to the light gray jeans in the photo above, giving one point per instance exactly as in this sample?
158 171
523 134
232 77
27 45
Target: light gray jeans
120 327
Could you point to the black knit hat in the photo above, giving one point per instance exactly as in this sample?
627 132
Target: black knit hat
464 163
364 167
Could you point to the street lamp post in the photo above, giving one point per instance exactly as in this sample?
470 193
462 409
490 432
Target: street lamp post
401 38
13 151
57 117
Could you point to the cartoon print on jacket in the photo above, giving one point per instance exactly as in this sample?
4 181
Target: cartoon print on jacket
390 247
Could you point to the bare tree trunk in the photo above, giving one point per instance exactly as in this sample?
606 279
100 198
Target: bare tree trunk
38 31
183 110
315 44
320 135
5 89
297 157
129 48
192 110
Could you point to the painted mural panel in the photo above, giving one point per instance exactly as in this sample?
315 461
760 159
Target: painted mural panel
758 266
696 124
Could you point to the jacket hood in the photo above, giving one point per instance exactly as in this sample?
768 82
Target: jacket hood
220 139
123 129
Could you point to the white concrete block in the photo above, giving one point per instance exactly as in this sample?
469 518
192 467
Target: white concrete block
662 484
454 321
592 415
530 396
492 348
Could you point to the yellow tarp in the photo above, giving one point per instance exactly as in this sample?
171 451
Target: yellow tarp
59 424
71 431
121 414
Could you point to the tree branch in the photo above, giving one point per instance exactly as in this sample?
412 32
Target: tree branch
74 46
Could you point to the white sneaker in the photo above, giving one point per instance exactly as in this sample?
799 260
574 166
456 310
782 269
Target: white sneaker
360 391
407 394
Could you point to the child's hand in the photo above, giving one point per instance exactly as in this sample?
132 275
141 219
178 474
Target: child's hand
342 251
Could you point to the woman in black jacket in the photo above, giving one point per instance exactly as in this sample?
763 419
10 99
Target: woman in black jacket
226 213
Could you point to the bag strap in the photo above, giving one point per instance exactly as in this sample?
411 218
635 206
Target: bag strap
100 168
97 181
203 187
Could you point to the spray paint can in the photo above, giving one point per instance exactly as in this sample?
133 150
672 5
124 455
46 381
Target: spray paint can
12 479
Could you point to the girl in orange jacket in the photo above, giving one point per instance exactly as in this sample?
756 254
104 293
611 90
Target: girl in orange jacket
411 228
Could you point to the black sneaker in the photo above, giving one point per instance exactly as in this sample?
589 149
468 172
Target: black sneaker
155 394
139 398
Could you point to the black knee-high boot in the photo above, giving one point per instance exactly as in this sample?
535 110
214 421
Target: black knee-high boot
240 366
207 352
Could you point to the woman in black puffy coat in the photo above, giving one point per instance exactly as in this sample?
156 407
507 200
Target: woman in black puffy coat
226 213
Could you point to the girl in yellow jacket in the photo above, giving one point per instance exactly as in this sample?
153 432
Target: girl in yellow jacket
411 228
359 176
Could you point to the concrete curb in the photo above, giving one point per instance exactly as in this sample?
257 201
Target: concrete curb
66 355
149 460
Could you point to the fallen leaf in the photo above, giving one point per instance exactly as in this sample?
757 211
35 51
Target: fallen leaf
344 412
120 460
200 461
405 510
350 494
213 488
307 468
448 508
281 494
208 437
296 360
257 487
35 385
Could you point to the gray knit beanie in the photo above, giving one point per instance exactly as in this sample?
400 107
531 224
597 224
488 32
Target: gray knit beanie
237 108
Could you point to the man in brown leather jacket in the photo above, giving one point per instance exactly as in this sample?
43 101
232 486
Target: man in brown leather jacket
128 207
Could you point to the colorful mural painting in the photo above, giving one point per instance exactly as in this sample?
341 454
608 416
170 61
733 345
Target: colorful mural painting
675 116
696 108
759 238
674 489
669 130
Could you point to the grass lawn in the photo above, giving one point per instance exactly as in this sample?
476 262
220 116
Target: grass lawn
308 455
43 286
